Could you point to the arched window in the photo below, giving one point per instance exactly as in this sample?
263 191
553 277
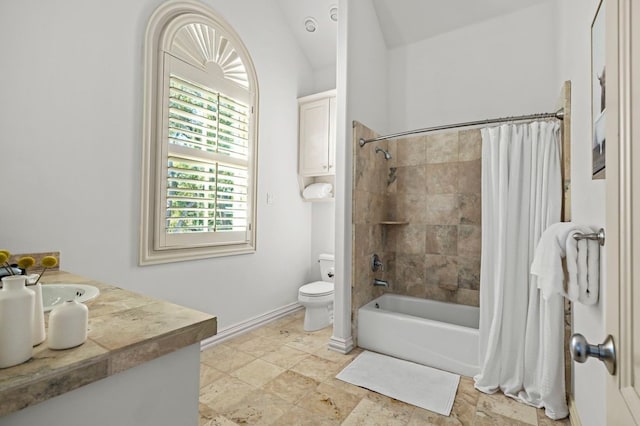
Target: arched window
199 138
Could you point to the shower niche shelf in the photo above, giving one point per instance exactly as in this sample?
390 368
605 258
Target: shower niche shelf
394 222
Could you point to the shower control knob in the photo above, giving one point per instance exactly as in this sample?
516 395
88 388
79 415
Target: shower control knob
605 352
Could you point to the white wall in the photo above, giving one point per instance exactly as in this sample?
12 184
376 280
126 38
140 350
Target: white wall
70 116
324 78
495 68
588 196
323 231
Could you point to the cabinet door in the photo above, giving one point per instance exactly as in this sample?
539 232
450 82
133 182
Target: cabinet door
314 138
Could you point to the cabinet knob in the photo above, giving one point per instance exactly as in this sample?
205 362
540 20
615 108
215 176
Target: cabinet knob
331 166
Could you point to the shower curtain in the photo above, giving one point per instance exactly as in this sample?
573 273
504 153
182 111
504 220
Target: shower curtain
521 334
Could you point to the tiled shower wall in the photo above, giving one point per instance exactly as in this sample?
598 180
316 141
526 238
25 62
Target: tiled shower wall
430 192
437 191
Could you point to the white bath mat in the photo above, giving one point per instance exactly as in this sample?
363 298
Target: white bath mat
416 384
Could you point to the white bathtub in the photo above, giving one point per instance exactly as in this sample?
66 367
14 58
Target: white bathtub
437 334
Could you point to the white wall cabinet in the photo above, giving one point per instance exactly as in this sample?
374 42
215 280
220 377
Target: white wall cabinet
317 138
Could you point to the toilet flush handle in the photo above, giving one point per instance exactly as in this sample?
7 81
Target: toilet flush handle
330 274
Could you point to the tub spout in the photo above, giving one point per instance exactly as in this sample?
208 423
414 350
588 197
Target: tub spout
381 283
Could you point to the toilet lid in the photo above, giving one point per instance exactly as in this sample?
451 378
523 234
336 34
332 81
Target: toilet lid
317 288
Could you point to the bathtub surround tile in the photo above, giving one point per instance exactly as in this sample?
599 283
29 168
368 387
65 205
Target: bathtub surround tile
442 147
442 239
411 207
442 209
469 240
469 273
470 145
441 271
411 151
411 269
412 179
294 397
470 177
470 206
442 178
440 294
411 239
392 178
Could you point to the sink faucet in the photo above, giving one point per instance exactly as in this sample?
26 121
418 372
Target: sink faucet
381 283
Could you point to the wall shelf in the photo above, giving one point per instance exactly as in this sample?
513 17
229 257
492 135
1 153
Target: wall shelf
394 222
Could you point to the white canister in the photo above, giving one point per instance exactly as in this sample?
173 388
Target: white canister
16 321
68 325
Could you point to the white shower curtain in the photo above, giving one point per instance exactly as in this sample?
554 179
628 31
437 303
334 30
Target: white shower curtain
521 334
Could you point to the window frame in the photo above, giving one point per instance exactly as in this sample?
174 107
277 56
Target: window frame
163 26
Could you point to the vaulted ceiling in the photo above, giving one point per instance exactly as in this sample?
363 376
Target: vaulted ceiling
401 21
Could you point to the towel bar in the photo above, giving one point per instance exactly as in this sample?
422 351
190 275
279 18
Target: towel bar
593 236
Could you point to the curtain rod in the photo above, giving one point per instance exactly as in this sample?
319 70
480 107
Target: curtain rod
558 114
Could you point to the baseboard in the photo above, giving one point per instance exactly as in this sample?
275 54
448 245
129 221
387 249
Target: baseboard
250 324
573 413
343 346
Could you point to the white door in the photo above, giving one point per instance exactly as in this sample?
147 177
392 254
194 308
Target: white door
623 208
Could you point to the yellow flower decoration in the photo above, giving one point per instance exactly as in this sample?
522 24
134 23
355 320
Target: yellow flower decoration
26 262
49 261
3 257
46 262
6 253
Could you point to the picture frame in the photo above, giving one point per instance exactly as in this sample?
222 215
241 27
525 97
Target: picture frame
598 94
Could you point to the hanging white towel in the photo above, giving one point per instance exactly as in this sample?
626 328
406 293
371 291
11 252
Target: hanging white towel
547 260
583 267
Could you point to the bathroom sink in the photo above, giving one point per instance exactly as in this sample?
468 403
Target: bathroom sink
55 294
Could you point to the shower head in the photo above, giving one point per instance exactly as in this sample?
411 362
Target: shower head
387 156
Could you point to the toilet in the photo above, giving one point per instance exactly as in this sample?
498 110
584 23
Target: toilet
317 297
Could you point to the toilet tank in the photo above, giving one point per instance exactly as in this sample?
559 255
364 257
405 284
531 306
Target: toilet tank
326 267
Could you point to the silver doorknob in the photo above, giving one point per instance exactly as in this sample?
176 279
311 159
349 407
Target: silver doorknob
605 352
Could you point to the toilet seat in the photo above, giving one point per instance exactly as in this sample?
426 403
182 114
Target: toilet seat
317 289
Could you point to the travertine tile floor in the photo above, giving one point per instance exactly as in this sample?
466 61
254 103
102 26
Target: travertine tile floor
280 375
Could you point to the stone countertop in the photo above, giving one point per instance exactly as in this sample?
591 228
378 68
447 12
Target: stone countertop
126 329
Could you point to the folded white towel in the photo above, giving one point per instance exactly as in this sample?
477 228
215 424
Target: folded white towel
547 260
583 266
317 190
582 258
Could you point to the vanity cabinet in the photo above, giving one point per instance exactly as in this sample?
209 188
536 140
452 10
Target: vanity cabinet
317 134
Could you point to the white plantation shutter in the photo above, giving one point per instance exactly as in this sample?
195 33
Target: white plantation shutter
203 156
207 167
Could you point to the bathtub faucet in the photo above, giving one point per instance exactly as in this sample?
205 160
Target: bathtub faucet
381 283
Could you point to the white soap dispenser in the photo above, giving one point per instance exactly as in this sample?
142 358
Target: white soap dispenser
68 325
16 321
